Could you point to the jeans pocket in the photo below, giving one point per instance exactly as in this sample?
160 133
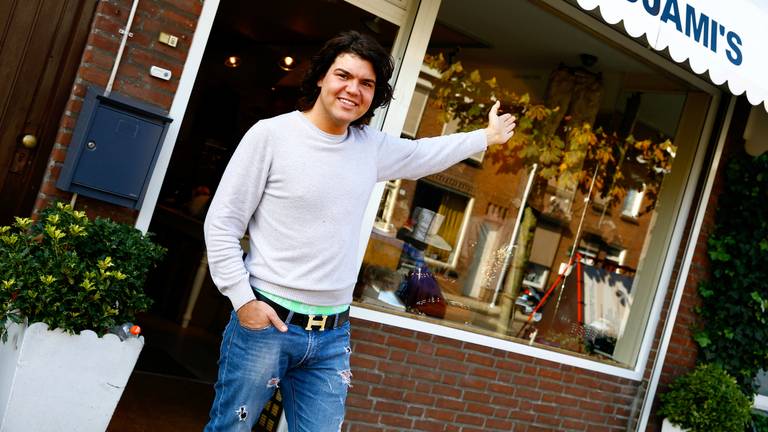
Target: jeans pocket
255 330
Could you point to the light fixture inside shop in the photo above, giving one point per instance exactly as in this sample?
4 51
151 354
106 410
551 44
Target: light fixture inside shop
287 63
232 61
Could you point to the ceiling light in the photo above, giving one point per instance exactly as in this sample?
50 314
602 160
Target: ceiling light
232 61
287 63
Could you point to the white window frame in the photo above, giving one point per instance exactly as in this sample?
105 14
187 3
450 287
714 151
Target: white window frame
424 22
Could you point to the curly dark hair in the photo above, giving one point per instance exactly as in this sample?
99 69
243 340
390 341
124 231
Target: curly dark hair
361 45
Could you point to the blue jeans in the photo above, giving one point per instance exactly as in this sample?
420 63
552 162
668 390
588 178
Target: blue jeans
311 368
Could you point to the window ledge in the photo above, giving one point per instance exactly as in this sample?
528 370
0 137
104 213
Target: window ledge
424 325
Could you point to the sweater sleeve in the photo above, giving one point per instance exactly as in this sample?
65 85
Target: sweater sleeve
412 159
236 199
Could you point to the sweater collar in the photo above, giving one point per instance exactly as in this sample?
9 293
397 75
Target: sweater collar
324 135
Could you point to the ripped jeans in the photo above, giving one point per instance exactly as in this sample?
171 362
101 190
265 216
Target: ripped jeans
311 368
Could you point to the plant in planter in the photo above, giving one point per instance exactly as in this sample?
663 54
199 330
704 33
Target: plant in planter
65 281
705 400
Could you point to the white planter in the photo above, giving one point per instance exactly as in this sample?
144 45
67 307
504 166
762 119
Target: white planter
54 381
669 427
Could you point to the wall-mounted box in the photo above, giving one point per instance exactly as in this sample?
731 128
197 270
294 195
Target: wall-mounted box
114 149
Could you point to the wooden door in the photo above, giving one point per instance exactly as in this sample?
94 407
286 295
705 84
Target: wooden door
41 42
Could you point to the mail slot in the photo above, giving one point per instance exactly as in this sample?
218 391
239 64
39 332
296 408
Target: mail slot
114 147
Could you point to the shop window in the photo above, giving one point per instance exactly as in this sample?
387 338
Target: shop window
386 209
603 136
416 109
631 205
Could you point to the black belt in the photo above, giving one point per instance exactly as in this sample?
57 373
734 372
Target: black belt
307 322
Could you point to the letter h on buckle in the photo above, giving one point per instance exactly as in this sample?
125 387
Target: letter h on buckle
311 322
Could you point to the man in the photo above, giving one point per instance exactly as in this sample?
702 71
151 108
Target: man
300 183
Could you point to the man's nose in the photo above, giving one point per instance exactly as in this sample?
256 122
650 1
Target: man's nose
353 86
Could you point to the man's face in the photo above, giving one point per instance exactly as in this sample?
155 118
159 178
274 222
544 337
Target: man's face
346 92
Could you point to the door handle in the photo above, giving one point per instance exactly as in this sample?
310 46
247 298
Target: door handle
29 141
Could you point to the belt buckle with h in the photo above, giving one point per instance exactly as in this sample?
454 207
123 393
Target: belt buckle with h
311 322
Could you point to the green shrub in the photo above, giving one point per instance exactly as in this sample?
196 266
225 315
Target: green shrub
72 273
760 423
734 302
706 400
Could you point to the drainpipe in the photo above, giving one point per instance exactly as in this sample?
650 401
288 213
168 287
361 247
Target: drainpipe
511 245
126 34
669 321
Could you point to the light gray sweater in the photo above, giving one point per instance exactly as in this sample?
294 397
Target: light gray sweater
301 193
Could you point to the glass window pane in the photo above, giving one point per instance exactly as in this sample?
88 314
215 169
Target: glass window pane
555 264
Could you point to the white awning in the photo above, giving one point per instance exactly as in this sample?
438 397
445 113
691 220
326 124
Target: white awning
727 39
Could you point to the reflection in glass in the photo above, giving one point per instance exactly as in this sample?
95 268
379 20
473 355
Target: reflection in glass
539 240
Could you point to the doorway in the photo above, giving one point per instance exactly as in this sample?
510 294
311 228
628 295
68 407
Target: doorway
251 69
41 45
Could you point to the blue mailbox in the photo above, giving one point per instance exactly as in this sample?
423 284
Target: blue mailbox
114 147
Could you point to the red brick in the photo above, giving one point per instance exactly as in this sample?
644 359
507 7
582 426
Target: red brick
428 426
362 362
530 395
446 391
590 406
444 341
570 412
501 388
359 402
367 376
449 404
382 406
422 360
483 409
509 366
468 382
550 386
398 382
371 350
451 353
469 419
426 348
419 398
397 356
422 374
449 379
406 344
414 411
476 396
499 424
399 421
484 372
480 359
443 415
93 76
103 42
352 414
525 381
386 393
573 425
453 366
522 415
548 420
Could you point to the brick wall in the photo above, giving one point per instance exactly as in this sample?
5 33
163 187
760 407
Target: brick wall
178 17
405 380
